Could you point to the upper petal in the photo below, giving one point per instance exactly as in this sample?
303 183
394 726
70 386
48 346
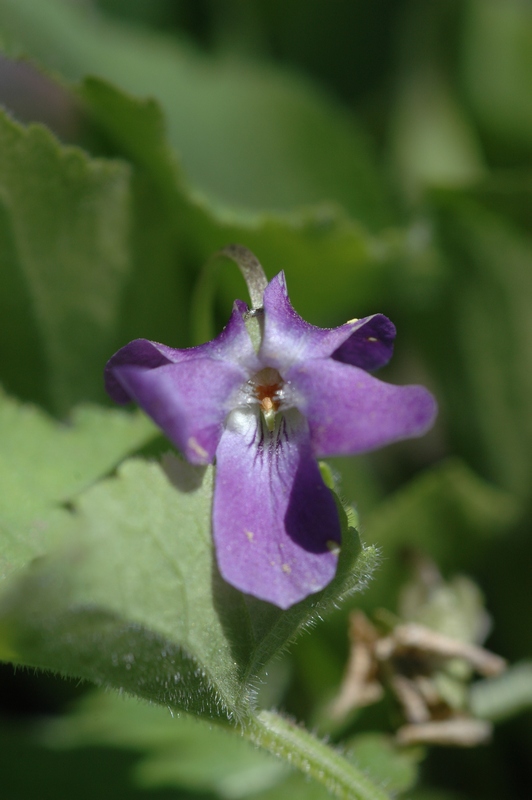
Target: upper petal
232 345
350 412
366 343
370 346
189 400
273 517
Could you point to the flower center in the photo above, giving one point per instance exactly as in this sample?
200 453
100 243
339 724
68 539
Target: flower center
267 389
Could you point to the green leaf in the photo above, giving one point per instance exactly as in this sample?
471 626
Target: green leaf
305 244
479 339
89 251
433 142
196 648
296 787
64 224
127 601
500 698
137 129
497 69
391 766
435 794
132 599
156 302
251 137
447 509
44 464
84 774
301 242
175 751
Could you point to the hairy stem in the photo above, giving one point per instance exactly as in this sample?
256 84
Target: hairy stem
300 749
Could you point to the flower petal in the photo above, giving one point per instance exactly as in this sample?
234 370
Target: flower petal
288 338
232 344
273 517
351 412
188 400
139 353
370 346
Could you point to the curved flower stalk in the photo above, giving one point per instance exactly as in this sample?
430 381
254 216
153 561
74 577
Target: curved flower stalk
265 399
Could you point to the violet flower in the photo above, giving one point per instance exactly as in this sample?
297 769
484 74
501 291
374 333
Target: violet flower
264 399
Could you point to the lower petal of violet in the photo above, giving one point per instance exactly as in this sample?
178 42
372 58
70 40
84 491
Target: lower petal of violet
274 520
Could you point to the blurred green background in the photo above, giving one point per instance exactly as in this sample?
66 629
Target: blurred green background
380 152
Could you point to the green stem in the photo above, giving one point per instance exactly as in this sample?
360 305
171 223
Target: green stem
300 749
251 269
203 300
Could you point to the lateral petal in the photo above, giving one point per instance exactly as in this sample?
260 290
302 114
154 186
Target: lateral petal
232 345
188 400
350 411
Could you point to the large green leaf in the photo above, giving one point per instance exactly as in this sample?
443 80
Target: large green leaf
174 750
497 70
129 596
446 511
62 775
303 242
479 339
64 224
89 255
188 754
129 592
120 586
433 142
136 578
44 465
250 136
135 128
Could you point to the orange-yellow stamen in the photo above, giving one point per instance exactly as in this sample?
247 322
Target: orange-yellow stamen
267 385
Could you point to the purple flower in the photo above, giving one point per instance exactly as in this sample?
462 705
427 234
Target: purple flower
265 403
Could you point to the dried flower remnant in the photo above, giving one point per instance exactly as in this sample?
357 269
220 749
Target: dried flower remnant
426 670
265 399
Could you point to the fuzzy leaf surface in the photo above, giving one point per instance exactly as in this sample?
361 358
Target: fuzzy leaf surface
133 598
45 464
64 227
